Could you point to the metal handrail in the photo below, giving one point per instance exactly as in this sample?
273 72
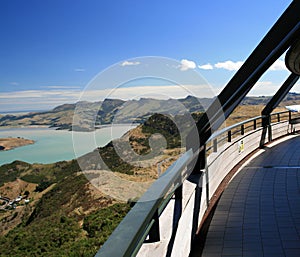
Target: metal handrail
224 130
134 228
219 136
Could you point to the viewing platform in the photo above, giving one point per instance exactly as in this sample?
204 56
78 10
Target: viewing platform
258 214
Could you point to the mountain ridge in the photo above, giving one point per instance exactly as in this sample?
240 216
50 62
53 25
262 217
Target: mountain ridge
91 114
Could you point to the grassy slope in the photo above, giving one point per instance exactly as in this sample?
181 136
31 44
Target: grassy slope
63 222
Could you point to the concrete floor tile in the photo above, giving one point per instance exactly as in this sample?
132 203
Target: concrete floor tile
263 205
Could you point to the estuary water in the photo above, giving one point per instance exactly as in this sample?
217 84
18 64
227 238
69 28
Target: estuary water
57 145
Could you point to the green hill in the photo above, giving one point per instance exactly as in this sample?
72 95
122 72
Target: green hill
66 215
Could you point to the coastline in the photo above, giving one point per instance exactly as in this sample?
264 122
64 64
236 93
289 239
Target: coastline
10 143
9 127
97 127
53 145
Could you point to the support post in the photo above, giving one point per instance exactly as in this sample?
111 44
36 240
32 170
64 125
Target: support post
229 136
215 145
154 235
273 103
280 94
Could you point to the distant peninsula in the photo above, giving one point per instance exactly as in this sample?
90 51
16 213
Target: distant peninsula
11 143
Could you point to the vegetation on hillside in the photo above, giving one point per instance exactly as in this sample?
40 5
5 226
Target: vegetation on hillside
173 129
50 173
60 235
10 172
104 158
65 221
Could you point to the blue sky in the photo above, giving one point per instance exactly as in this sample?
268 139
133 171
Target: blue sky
51 49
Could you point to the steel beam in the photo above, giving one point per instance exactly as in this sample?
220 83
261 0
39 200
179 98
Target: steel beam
273 103
280 37
280 94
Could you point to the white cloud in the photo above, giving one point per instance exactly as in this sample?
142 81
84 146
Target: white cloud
61 87
264 88
36 99
47 99
264 83
229 65
40 94
158 92
128 63
278 65
207 66
14 83
79 70
187 64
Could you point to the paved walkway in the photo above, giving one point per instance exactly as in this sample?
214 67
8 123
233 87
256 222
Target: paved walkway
259 212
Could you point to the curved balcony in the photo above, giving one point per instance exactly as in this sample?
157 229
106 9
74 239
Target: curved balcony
165 220
252 206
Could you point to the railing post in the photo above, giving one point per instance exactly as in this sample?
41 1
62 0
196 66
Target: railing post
197 206
242 129
254 125
290 116
196 144
178 193
178 206
269 128
229 136
215 145
199 164
278 117
154 235
266 123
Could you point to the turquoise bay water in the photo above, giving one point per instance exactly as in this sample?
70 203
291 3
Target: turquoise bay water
57 145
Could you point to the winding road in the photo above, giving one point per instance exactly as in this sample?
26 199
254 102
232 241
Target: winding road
6 200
